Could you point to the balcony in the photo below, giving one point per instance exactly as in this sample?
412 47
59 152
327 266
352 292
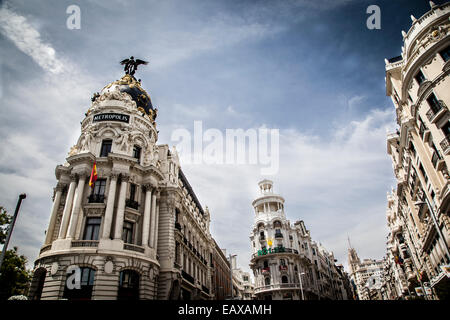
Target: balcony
133 247
205 289
283 268
445 144
45 248
132 204
434 114
187 277
84 243
265 271
177 265
96 198
279 286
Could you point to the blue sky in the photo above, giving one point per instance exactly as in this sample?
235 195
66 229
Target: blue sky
308 68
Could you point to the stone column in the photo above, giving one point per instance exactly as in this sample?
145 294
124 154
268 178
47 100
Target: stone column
121 207
67 207
51 225
153 221
156 226
77 202
106 234
147 211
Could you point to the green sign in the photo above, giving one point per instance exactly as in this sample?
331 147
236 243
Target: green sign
265 251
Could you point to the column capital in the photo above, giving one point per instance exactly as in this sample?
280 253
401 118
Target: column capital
73 177
124 177
60 186
114 175
147 187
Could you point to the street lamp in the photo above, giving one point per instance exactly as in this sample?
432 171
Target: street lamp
301 285
11 226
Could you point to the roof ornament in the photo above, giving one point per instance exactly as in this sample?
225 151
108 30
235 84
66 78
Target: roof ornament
131 65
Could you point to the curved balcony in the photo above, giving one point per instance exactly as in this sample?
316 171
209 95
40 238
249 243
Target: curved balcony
84 243
279 286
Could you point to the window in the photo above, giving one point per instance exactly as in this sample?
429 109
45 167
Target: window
128 285
127 234
445 54
92 228
106 148
267 281
446 129
284 279
434 103
131 202
87 283
137 153
98 193
420 78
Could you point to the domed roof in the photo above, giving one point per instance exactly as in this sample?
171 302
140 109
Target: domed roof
130 85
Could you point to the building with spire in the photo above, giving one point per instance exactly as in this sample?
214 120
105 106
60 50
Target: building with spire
418 83
139 232
367 275
286 263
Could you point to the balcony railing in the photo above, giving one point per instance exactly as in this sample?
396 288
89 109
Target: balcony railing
45 248
278 286
96 198
431 114
85 243
445 144
187 277
133 247
205 289
283 268
132 204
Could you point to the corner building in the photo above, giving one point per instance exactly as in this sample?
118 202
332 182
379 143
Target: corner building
419 84
140 231
286 263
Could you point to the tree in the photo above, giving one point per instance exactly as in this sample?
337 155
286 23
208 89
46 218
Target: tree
14 277
5 220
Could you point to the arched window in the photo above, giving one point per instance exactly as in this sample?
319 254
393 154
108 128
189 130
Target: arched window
284 279
38 283
128 285
266 264
86 282
267 281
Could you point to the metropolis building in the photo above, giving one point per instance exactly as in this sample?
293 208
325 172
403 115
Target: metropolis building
286 263
140 231
418 209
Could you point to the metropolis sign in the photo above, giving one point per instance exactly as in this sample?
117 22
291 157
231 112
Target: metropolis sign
111 117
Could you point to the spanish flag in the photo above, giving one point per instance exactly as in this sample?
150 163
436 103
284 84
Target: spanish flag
93 175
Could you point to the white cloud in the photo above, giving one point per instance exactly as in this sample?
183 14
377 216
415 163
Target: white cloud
327 183
17 29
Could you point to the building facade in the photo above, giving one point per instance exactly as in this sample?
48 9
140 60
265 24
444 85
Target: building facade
286 263
221 276
419 84
139 232
367 275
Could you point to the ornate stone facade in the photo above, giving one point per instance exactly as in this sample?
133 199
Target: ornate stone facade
418 210
286 263
139 232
